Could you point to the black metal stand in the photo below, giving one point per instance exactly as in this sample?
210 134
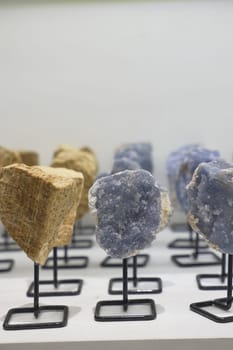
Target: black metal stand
221 277
179 227
193 260
135 282
57 284
224 304
124 305
7 244
36 311
80 243
142 261
83 230
7 265
67 262
187 243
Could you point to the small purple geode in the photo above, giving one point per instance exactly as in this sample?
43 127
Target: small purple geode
129 211
210 195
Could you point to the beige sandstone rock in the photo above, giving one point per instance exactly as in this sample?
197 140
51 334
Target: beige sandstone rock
38 206
8 157
167 209
29 157
82 160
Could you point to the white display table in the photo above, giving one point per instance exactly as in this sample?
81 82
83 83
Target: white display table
176 327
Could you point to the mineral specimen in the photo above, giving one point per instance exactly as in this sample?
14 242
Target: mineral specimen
192 159
210 195
8 157
83 161
167 209
128 209
173 164
122 164
29 157
38 206
139 152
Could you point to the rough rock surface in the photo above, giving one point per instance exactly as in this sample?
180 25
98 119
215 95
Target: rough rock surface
167 209
173 164
38 206
210 195
139 152
81 160
8 157
128 210
123 163
29 157
191 161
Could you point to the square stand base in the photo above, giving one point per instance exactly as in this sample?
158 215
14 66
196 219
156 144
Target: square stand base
125 315
9 247
187 244
154 285
179 227
85 230
55 292
142 261
189 260
10 326
199 308
6 265
73 262
220 285
81 244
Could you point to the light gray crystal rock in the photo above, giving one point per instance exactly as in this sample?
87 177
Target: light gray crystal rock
128 209
193 158
139 152
210 195
124 163
173 165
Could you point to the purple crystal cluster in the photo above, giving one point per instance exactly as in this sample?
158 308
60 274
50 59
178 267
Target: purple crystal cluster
128 209
133 156
181 165
210 195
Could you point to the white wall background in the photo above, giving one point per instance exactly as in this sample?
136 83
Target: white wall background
105 73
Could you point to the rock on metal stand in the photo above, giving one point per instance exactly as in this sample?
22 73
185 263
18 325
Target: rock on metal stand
224 304
124 305
138 284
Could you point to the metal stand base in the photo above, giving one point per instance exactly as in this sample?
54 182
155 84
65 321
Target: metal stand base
224 304
125 316
194 260
7 265
81 244
143 260
199 309
7 244
220 286
221 278
37 312
8 325
135 287
57 290
186 244
83 230
179 227
73 262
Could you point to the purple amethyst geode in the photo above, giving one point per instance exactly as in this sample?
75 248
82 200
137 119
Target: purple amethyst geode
210 195
128 209
138 152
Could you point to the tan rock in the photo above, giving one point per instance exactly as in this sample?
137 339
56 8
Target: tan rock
38 206
8 157
29 157
84 161
167 209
